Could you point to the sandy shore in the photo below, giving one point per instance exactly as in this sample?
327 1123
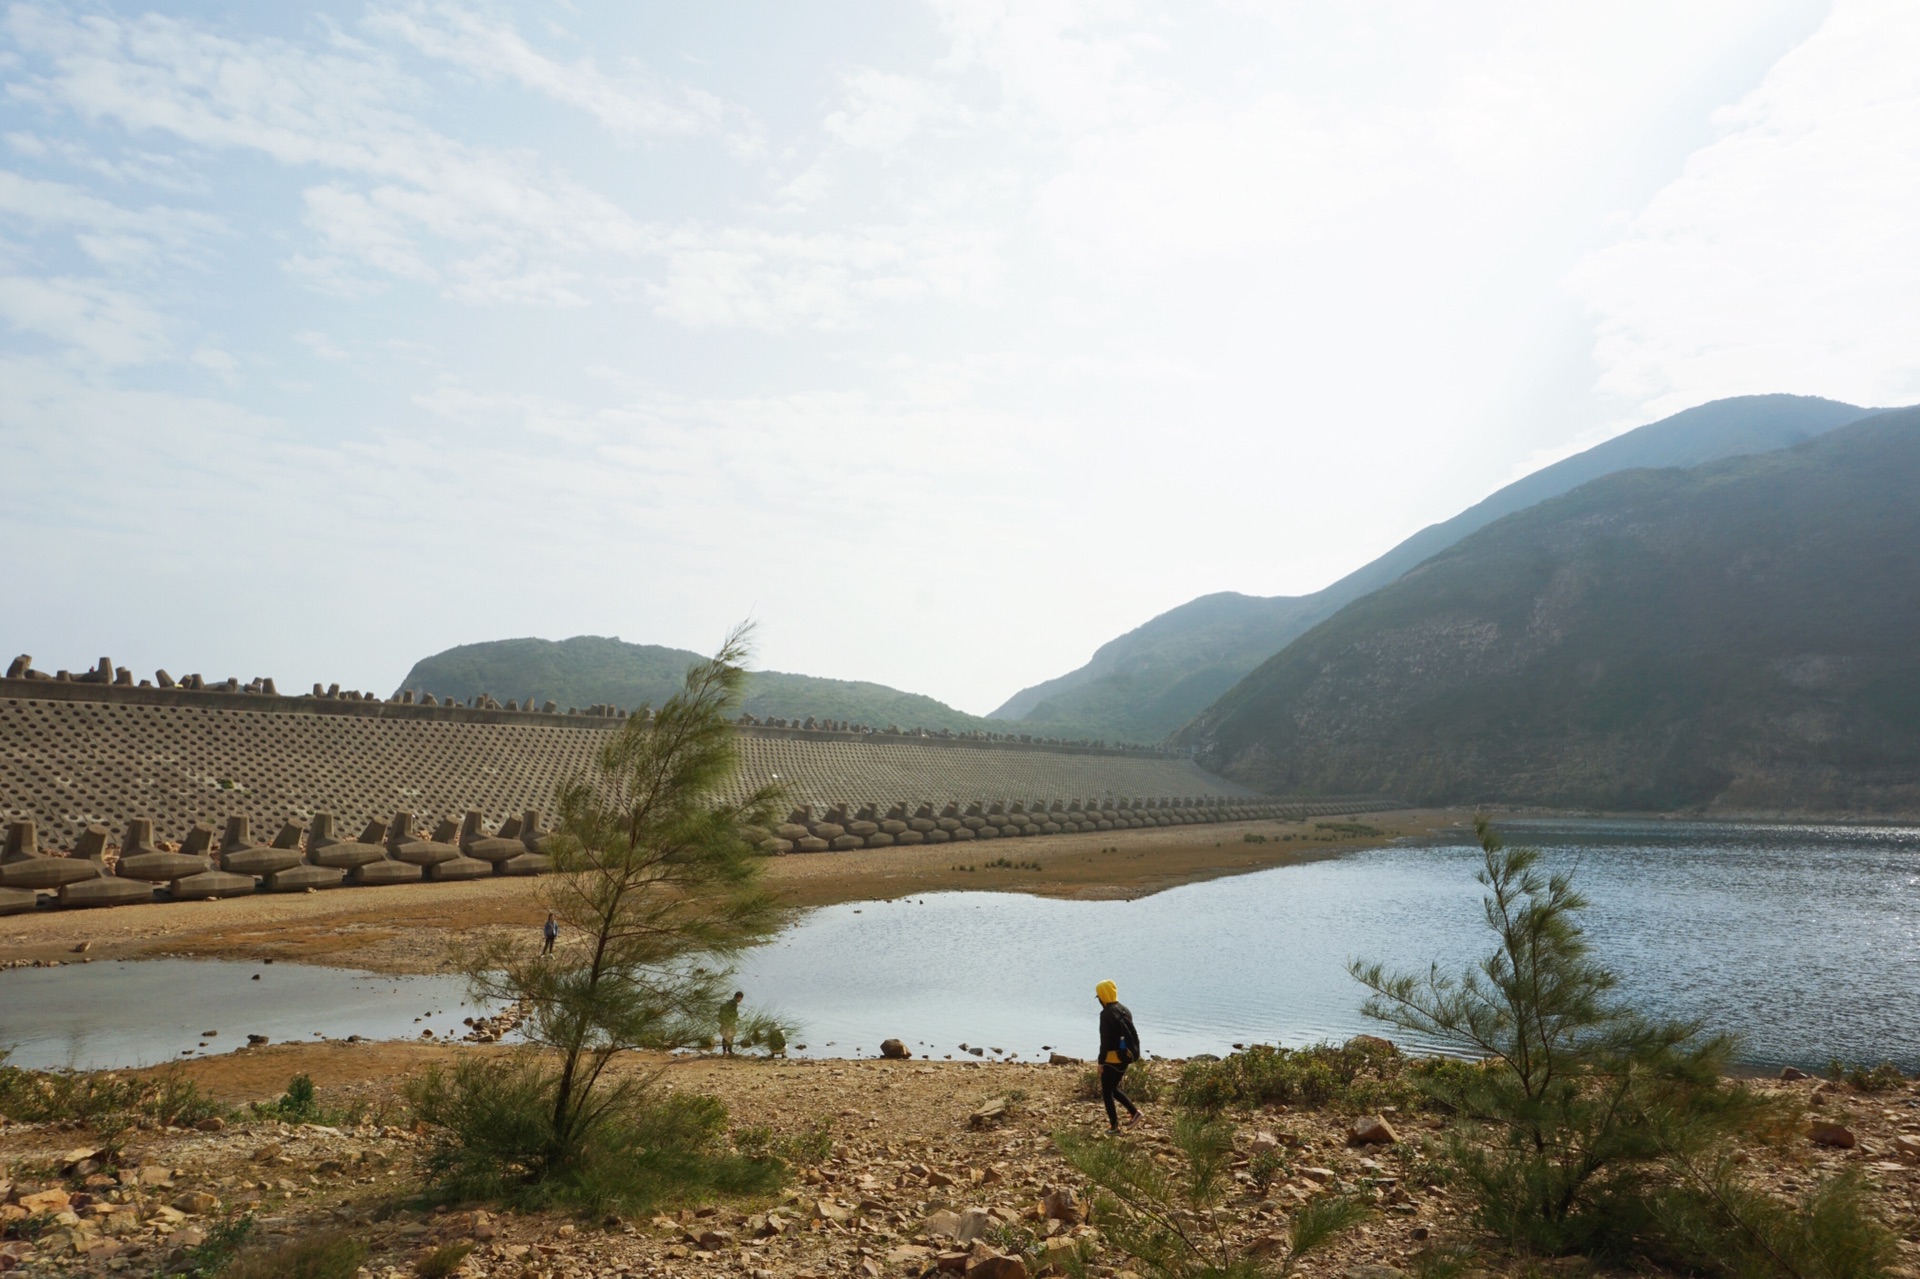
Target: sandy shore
407 928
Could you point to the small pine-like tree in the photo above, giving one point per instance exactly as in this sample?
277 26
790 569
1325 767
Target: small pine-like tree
656 886
1591 1128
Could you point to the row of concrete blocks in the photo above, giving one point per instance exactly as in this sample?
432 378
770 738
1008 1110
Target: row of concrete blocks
387 852
844 827
810 724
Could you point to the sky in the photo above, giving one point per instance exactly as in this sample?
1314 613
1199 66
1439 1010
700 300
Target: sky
945 339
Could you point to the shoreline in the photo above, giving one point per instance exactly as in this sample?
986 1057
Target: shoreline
410 928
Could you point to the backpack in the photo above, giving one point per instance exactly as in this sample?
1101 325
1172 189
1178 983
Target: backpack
1130 1040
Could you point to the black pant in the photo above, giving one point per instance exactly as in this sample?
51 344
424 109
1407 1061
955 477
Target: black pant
1110 1075
548 948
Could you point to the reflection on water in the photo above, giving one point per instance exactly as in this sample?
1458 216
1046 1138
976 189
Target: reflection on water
1803 939
104 1015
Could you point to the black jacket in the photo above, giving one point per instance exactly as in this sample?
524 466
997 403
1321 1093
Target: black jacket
1117 1034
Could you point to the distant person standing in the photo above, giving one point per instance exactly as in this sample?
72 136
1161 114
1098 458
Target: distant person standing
730 1021
1119 1048
552 933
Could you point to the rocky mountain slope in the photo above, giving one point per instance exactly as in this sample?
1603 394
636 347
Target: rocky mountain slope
1739 636
590 669
1150 681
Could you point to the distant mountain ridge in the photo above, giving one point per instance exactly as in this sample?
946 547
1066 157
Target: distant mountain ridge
1742 636
1154 679
591 669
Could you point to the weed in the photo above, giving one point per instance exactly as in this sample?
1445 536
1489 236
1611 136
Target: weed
225 1238
104 1101
1882 1078
1358 829
1361 1075
442 1261
333 1255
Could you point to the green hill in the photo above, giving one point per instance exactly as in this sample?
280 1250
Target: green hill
590 669
1739 636
1148 682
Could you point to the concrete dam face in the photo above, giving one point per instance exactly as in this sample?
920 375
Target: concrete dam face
165 789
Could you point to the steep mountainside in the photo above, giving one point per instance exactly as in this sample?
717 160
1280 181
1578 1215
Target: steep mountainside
589 669
1741 636
1152 680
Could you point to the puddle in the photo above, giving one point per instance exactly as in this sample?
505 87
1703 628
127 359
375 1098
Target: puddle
103 1016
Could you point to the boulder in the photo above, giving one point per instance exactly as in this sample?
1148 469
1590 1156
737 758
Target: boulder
944 1224
1793 1074
1061 1059
974 1222
894 1049
1824 1132
997 1267
1371 1130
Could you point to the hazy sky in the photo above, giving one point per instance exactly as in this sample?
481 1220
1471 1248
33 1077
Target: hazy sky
947 339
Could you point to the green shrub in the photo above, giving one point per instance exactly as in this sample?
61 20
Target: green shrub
442 1261
1144 1081
333 1255
1362 1075
225 1238
491 1120
1170 1216
1882 1078
300 1104
105 1101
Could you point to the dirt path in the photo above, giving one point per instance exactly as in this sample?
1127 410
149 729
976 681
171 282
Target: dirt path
407 928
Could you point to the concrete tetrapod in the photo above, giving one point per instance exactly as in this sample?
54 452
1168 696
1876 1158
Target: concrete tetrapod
475 843
239 855
326 849
24 866
535 860
141 859
103 889
406 847
208 883
463 866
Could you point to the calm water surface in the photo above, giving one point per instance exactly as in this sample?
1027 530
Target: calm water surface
108 1015
1805 940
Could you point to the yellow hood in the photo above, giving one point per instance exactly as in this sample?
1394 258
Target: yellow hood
1108 992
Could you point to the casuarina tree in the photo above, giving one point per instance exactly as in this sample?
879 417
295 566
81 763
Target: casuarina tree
656 885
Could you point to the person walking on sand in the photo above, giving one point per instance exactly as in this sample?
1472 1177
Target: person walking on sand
552 933
1119 1048
730 1021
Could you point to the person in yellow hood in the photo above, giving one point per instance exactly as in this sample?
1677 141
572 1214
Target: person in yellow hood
1119 1048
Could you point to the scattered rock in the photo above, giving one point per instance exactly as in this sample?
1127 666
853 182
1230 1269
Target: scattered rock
1371 1131
1793 1074
1373 1272
990 1111
1827 1133
212 1123
974 1222
1907 1145
1061 1059
195 1203
894 1050
1318 1176
997 1267
1062 1205
1264 1143
44 1201
944 1224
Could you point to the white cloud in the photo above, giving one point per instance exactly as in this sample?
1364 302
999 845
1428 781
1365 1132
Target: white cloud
1784 256
108 325
882 110
497 51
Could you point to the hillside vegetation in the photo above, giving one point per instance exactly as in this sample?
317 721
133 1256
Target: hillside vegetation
1740 636
590 669
1150 681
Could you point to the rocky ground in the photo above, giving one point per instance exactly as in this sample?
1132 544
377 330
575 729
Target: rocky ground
915 1181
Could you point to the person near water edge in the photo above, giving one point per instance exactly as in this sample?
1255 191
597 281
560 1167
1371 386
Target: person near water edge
552 933
1119 1048
730 1021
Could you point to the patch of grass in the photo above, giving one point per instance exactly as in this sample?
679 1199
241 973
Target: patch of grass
300 1104
1882 1078
1144 1081
1004 863
1362 1075
104 1101
212 1255
1355 829
1251 838
491 1121
332 1255
442 1261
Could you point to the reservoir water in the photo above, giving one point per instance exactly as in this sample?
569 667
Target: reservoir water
1804 939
